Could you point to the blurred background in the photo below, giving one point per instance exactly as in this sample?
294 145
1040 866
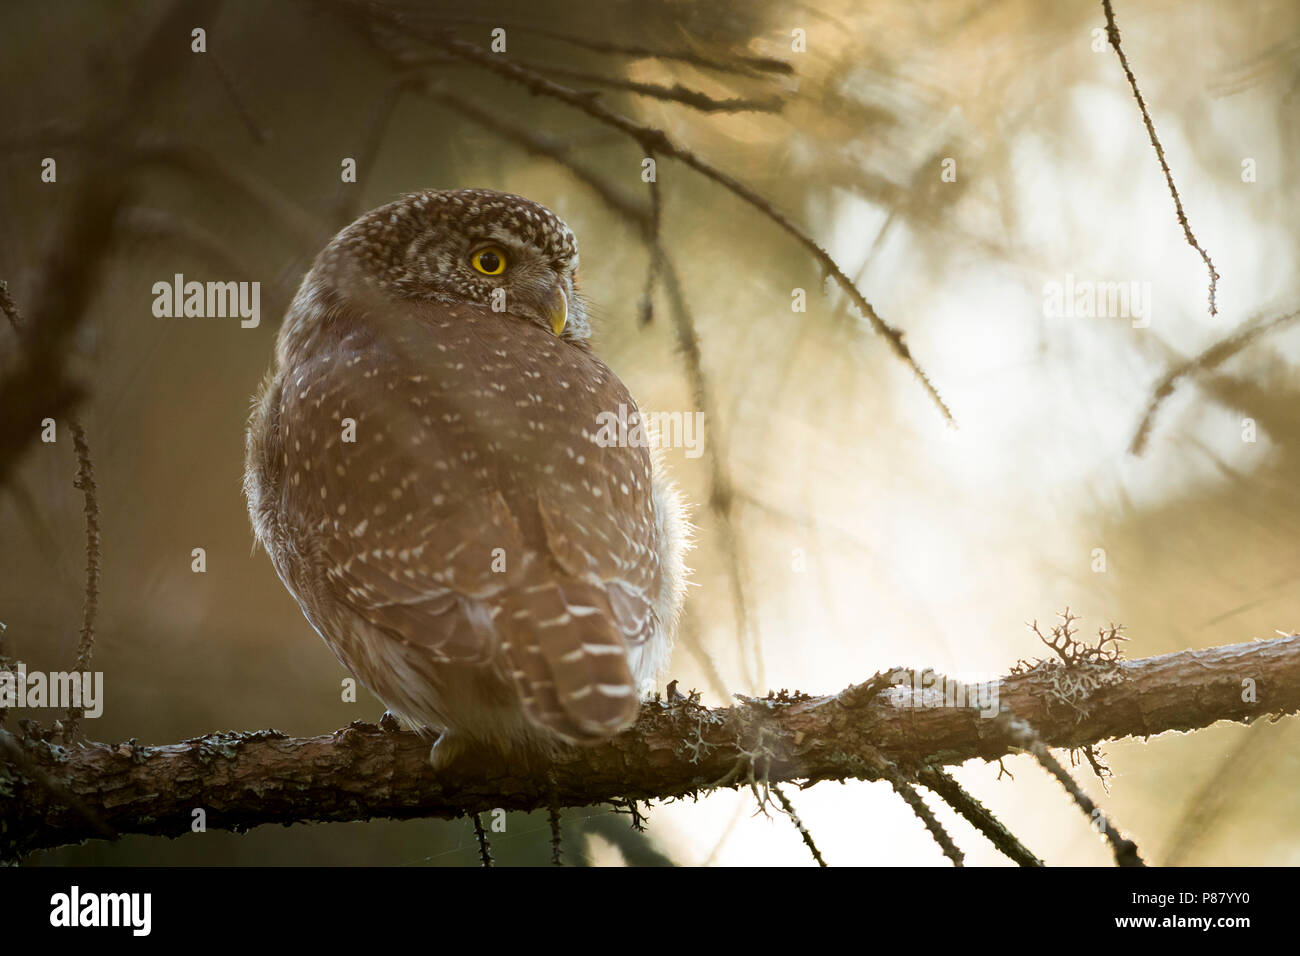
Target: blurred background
868 532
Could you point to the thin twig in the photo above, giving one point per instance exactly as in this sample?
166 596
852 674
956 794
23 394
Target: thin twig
10 308
85 481
540 144
1209 808
722 498
1112 33
553 815
788 807
255 129
677 93
957 797
656 252
484 849
926 816
350 195
1125 850
1210 358
735 62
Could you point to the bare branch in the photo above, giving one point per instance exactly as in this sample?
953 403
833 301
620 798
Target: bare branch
539 144
553 817
926 816
360 772
788 807
1209 359
1125 850
484 849
85 481
722 499
1112 33
349 203
956 796
677 93
257 130
730 63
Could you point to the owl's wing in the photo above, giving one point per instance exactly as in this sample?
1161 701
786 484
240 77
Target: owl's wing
473 516
592 545
381 473
564 637
573 634
427 587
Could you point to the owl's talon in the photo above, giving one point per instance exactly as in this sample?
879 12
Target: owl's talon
445 750
389 724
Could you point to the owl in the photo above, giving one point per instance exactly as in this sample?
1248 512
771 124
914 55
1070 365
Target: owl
426 468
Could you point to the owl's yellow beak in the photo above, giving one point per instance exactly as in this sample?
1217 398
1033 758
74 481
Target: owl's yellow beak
557 313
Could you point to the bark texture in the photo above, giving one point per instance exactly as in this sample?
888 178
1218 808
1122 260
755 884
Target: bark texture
51 795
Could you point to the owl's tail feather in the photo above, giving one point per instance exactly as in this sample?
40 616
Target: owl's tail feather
568 658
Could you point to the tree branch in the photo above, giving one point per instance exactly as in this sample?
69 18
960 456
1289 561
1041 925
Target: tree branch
1112 33
242 780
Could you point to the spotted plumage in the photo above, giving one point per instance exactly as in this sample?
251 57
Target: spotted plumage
426 475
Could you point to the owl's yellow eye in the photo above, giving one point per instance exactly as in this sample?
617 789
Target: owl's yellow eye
490 261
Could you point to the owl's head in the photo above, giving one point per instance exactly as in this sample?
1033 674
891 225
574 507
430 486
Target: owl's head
480 246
